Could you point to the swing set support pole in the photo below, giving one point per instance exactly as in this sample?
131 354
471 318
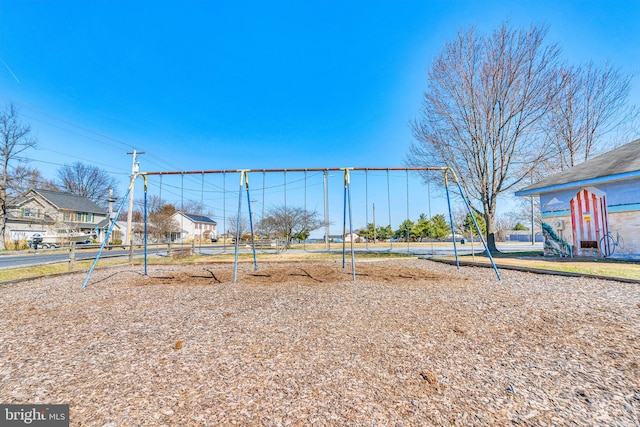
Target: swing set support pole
113 224
144 178
344 222
347 194
475 223
253 239
326 208
235 261
353 256
453 231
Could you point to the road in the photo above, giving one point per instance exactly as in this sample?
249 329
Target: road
49 256
31 258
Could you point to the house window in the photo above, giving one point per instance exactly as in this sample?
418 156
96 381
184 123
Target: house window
30 212
84 217
77 216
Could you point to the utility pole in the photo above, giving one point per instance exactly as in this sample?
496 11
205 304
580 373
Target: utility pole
533 233
135 167
111 218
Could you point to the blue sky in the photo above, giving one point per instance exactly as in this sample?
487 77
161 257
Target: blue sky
256 84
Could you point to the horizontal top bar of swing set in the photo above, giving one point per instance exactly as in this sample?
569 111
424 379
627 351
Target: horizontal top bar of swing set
430 168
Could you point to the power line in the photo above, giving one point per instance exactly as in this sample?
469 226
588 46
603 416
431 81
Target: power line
103 138
65 121
98 137
92 161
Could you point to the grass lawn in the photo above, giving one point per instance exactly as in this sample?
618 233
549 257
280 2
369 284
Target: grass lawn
597 266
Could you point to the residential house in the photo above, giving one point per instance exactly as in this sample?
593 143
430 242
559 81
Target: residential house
48 211
193 226
593 209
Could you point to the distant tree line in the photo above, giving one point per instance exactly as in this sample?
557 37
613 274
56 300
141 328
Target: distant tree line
436 227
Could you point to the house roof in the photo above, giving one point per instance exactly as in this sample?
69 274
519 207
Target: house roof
71 202
198 218
105 223
615 165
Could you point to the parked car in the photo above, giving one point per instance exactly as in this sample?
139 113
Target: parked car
214 240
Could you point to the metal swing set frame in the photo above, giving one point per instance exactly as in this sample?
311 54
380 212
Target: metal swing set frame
347 211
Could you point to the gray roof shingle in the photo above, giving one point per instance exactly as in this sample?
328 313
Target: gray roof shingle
71 202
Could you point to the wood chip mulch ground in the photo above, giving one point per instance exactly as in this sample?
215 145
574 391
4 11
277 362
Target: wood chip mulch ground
410 343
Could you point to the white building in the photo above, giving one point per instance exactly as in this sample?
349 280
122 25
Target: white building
194 226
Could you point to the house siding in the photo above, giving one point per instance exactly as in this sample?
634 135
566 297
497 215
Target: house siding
195 229
35 212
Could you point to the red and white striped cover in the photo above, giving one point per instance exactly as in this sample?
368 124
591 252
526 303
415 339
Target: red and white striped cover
589 220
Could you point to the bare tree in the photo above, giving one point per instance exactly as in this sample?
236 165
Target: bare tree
482 109
289 222
463 223
161 225
16 138
239 225
24 178
86 180
504 223
590 104
194 207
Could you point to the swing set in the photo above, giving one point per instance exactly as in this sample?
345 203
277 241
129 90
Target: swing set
347 215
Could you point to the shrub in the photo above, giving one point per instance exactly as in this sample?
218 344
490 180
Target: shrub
16 245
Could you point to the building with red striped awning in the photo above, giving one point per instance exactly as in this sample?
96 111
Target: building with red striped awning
593 209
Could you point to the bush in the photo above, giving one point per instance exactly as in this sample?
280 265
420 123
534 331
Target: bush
17 245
